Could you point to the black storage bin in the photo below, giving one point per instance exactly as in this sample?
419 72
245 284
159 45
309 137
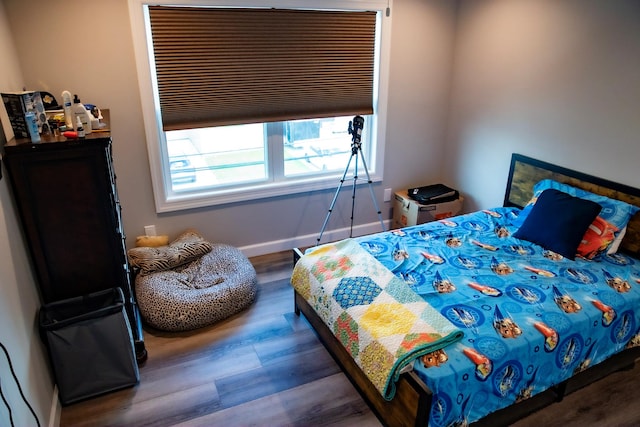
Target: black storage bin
90 345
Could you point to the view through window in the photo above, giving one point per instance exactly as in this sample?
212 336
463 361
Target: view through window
227 156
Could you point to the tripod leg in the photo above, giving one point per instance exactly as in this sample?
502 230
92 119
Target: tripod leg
373 197
335 197
353 194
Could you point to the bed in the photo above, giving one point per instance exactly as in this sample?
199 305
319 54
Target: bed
511 326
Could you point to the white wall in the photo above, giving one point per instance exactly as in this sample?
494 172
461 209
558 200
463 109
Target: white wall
19 300
100 68
421 61
555 80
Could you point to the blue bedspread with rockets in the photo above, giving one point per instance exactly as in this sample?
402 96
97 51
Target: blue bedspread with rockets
530 317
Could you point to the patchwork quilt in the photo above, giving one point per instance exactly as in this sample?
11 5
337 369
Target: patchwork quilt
531 318
381 322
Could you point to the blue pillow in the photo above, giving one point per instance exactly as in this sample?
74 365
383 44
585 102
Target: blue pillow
558 221
613 211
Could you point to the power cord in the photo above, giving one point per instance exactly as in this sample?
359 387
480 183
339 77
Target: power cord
6 404
15 378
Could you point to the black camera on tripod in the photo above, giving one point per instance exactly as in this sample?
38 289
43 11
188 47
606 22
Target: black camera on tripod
355 128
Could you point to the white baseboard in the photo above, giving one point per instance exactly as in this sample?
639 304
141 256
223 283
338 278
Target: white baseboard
56 409
311 239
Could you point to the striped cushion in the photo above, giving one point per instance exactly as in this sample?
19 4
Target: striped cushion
187 247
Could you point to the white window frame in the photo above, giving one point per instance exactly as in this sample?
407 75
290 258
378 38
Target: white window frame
165 199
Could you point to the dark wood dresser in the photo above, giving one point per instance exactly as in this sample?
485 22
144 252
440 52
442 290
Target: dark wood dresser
67 200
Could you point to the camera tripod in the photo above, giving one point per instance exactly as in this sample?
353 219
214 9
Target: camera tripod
355 129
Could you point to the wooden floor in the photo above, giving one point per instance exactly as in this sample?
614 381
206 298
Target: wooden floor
265 367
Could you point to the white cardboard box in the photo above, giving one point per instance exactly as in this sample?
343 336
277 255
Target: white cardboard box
407 212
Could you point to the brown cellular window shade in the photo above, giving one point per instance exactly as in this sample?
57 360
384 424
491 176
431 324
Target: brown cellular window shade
218 66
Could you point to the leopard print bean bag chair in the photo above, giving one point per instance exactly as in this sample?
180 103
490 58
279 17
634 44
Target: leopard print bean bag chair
191 283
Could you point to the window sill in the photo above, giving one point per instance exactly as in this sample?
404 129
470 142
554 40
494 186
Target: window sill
200 198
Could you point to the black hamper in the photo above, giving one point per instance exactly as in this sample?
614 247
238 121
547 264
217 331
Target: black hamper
90 345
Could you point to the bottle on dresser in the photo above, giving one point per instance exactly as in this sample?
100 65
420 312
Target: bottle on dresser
82 113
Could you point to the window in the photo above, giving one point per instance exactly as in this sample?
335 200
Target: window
216 138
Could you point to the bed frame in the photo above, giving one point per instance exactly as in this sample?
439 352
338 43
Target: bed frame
412 403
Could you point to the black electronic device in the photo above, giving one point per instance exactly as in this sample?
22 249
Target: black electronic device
355 129
435 193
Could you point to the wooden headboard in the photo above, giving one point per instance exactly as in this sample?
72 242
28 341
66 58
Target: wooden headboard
525 172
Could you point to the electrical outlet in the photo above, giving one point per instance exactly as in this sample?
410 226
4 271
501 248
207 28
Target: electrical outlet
149 230
387 194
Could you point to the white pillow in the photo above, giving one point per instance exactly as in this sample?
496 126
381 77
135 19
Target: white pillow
616 242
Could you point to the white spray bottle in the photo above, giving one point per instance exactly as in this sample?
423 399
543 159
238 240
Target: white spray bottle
68 114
